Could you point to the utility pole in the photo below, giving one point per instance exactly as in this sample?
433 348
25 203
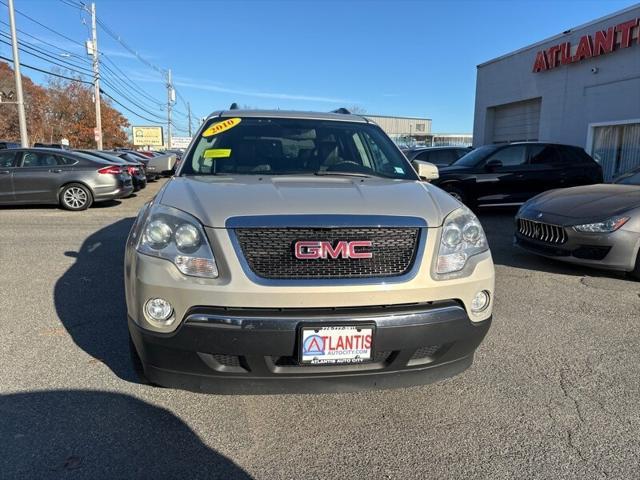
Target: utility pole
189 111
171 97
22 118
96 76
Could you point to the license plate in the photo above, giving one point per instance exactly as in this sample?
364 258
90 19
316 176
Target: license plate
336 344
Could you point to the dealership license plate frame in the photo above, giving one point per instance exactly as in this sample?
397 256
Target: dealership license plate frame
339 362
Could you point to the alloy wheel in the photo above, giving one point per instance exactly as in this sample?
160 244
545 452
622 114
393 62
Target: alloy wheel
75 197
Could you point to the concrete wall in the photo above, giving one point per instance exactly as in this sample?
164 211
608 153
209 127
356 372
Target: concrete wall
572 96
395 126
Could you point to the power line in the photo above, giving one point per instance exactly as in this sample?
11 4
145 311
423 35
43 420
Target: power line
44 26
47 58
31 67
131 82
127 108
67 65
44 42
131 50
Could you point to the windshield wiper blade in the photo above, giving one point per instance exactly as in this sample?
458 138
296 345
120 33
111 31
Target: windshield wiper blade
342 174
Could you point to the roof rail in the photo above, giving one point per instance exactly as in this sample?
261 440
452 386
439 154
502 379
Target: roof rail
342 110
234 106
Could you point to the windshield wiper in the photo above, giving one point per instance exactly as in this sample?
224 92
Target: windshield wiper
342 174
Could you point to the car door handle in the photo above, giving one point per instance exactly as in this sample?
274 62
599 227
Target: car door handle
55 170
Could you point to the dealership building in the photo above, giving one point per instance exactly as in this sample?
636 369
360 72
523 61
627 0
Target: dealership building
581 87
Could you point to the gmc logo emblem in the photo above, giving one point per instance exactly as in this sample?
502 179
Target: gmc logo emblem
311 249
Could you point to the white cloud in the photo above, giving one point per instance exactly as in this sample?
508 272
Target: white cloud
212 87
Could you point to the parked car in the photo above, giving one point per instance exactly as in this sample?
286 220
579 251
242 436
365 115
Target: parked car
129 155
4 145
299 251
595 225
510 174
50 145
50 176
135 169
439 156
146 153
159 164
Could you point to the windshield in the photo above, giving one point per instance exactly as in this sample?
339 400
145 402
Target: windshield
631 178
472 158
275 146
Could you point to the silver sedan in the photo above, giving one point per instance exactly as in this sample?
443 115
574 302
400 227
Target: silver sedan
593 225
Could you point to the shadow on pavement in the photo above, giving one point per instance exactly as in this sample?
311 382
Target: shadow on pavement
98 205
93 434
499 225
89 298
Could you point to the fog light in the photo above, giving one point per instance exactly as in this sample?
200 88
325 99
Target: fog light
159 310
480 302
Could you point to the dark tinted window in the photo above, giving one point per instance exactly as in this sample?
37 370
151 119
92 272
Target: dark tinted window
545 155
577 154
441 157
282 146
40 159
423 156
474 157
66 161
461 152
7 159
512 156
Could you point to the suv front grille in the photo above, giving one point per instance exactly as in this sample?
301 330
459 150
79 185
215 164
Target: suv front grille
543 232
269 252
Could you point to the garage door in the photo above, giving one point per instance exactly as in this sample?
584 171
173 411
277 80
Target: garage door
516 122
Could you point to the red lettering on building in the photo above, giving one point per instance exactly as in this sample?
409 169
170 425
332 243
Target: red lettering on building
552 56
625 30
565 53
540 63
603 41
585 49
600 43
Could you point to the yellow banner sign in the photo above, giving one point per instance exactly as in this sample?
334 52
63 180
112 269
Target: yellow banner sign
151 136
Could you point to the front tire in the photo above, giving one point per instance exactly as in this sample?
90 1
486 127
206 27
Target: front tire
75 197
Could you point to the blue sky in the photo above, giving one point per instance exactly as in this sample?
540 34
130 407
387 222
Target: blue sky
414 58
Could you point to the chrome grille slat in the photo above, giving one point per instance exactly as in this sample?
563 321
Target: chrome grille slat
542 232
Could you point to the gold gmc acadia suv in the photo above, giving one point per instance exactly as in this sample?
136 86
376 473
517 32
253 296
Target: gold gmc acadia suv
302 252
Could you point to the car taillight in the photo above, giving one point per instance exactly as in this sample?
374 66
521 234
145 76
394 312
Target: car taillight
132 170
113 170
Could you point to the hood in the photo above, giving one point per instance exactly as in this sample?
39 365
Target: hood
589 202
214 199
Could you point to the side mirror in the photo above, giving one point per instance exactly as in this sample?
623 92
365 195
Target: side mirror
426 171
492 165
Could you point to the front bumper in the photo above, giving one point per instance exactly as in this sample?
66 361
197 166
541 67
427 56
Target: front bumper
609 251
254 350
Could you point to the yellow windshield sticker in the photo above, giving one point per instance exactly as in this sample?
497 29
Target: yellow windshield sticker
217 153
220 127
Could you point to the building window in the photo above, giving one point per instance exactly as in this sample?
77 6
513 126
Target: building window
616 148
421 127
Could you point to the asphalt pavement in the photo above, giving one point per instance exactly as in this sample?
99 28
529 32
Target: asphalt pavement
553 393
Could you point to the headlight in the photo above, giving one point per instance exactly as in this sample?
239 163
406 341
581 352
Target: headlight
462 237
608 226
178 237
